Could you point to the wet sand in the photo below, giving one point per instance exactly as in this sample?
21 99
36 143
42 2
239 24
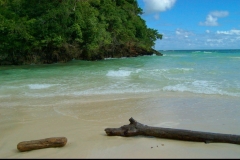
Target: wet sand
82 121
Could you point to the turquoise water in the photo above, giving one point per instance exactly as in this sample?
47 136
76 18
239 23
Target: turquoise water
214 72
194 90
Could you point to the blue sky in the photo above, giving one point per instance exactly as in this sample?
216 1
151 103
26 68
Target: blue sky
194 24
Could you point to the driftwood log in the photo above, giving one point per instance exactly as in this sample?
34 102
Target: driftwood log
135 128
42 143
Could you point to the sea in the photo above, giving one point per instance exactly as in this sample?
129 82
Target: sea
191 89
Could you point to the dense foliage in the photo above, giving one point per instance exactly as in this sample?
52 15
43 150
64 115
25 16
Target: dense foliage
48 31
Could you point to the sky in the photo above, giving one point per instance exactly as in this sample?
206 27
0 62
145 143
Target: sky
193 24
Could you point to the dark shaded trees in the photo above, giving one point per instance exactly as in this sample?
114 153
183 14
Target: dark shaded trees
43 31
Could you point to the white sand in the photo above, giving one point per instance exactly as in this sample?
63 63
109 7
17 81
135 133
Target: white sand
83 120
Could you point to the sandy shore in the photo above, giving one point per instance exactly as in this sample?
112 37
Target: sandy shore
83 120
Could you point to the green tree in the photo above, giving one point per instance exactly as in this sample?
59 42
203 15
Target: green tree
43 31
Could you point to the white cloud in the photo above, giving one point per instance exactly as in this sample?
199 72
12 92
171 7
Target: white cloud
181 32
220 13
210 21
215 40
212 18
231 32
181 39
178 32
152 6
207 31
156 16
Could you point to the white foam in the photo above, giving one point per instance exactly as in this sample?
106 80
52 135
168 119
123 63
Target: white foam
196 52
179 55
202 87
174 70
185 69
119 73
113 91
198 86
178 87
40 86
138 70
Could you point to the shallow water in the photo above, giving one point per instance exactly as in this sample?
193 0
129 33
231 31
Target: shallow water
195 90
200 73
203 72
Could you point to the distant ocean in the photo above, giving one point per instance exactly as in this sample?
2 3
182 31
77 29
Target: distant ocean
209 72
193 89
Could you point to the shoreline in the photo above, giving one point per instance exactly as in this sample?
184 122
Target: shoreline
82 121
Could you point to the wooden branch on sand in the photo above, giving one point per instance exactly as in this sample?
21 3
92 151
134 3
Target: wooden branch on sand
135 128
42 143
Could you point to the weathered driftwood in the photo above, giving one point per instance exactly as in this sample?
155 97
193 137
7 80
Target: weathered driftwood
42 143
135 128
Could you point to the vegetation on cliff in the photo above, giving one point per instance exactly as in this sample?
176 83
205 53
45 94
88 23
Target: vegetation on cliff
50 31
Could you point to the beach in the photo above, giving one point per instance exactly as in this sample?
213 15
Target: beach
79 69
83 120
192 90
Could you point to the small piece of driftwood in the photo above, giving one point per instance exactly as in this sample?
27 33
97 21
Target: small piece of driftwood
135 128
41 143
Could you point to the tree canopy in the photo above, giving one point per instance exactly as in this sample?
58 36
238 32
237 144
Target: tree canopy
49 31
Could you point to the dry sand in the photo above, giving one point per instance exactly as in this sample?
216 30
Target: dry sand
83 120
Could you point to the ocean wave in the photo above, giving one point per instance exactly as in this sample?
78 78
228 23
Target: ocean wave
119 73
196 51
178 55
90 92
116 91
184 69
207 52
170 69
40 86
202 87
195 86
